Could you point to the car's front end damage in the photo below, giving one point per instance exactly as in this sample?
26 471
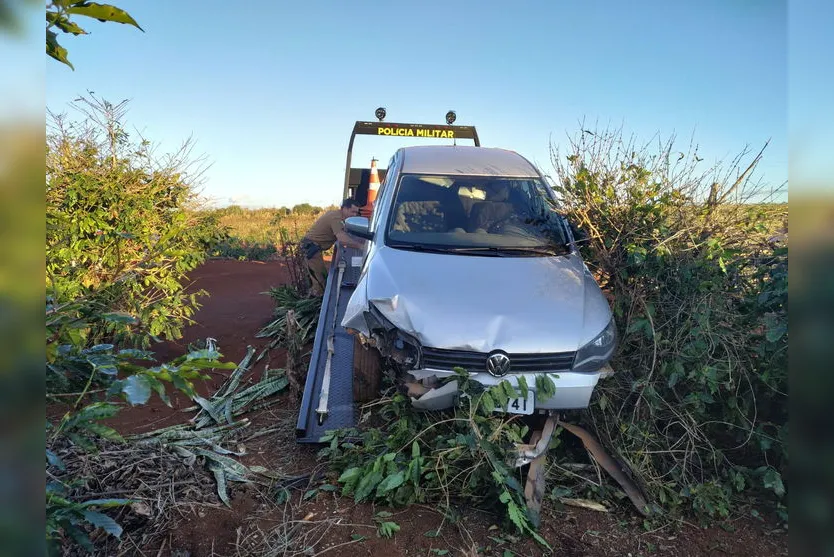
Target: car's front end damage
427 374
423 340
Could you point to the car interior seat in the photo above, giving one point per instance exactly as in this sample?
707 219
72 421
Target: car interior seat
423 207
495 208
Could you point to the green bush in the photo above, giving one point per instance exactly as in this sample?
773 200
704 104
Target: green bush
698 406
121 235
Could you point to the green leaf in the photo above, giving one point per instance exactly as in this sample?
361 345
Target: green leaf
775 330
390 482
61 22
103 521
103 12
105 432
208 407
387 529
107 503
55 460
367 485
357 537
773 480
516 515
637 324
508 390
349 474
121 317
487 403
220 477
522 386
81 538
282 496
514 484
55 50
137 389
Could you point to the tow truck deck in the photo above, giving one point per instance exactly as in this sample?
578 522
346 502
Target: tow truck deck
336 366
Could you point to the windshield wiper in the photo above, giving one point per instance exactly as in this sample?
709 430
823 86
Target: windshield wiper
506 250
494 251
421 247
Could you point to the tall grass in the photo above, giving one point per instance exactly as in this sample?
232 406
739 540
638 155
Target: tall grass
262 234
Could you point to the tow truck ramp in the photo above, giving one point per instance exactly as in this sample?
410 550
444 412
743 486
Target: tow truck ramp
327 401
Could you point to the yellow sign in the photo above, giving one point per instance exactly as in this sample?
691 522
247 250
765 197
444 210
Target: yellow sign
419 132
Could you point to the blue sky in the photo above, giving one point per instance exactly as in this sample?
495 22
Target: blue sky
270 90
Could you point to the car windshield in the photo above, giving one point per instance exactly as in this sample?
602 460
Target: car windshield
458 213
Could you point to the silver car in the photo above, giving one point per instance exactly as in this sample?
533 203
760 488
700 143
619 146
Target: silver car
469 264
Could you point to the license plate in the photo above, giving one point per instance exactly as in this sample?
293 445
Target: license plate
520 405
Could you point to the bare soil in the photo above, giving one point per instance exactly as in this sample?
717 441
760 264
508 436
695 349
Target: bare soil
326 522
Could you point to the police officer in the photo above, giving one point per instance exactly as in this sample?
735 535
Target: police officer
328 228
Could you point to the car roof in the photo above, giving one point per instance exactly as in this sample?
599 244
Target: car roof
465 160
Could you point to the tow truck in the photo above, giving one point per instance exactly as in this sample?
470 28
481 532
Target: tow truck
343 373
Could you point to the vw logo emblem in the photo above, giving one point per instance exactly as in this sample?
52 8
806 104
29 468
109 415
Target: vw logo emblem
498 364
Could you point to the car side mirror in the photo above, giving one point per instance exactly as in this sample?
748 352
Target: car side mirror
358 226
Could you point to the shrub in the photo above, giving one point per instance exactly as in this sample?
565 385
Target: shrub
121 235
698 406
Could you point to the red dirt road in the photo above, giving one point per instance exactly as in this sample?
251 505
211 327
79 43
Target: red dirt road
232 315
236 308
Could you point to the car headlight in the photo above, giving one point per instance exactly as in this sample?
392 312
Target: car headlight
596 353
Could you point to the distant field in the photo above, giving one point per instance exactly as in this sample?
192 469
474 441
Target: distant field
259 234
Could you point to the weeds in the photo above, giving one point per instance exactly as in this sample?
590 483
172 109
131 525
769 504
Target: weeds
305 316
158 470
417 457
698 406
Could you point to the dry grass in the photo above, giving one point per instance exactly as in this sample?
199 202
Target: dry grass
267 225
292 534
261 234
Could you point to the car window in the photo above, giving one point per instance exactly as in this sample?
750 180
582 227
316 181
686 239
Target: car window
462 211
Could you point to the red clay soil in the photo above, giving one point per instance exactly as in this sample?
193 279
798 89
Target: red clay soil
326 522
236 308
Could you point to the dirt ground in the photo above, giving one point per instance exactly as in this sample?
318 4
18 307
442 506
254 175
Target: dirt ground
325 523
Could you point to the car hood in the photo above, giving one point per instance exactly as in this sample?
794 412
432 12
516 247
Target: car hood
482 303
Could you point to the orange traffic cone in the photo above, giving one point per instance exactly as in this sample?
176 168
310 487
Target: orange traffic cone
373 189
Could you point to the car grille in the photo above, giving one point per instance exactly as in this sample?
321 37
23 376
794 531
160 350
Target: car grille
436 358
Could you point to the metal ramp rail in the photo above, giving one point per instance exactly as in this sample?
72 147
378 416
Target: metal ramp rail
338 400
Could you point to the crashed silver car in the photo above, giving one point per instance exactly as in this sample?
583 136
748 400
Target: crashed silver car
469 264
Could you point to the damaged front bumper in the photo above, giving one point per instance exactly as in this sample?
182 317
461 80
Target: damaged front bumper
573 389
437 389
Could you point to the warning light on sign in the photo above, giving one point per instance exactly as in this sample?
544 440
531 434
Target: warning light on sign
450 117
380 114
